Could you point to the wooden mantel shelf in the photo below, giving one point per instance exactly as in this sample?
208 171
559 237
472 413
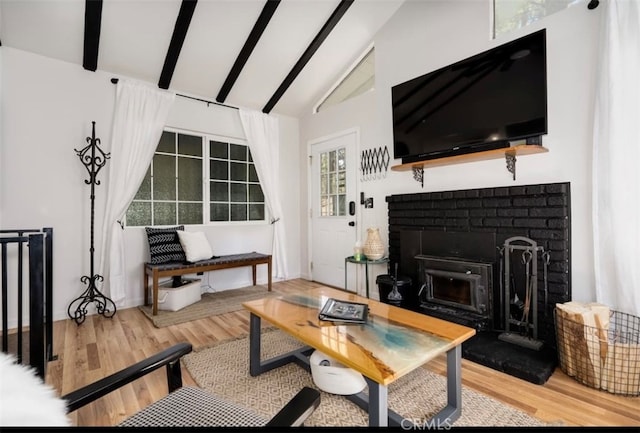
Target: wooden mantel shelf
521 149
508 153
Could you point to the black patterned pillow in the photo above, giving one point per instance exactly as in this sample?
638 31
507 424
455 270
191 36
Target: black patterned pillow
164 245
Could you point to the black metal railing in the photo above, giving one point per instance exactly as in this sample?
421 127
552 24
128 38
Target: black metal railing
40 295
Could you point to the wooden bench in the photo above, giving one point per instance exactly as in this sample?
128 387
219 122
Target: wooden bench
223 262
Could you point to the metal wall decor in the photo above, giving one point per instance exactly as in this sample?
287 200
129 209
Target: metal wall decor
93 158
374 163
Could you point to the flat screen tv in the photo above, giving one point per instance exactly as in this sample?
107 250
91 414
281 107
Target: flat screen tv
480 103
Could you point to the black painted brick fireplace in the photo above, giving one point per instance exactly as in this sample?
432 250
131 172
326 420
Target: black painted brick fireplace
540 212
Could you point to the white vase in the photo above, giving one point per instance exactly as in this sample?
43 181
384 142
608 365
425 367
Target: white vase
373 248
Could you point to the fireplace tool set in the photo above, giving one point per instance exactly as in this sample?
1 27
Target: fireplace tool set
395 297
528 307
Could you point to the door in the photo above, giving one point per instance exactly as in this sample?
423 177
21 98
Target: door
333 223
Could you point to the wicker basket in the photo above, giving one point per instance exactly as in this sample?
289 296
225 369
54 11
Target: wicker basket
601 357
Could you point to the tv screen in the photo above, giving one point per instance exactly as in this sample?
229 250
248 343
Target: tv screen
479 103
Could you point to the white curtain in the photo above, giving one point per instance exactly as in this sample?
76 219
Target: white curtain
263 134
616 159
139 117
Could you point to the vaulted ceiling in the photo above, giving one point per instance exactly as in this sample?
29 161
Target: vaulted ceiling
277 56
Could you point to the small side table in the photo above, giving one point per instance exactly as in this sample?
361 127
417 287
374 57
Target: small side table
366 262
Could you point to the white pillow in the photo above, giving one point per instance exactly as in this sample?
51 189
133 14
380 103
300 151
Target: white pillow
195 245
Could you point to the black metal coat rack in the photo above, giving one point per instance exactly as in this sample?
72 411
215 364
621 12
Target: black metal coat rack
93 158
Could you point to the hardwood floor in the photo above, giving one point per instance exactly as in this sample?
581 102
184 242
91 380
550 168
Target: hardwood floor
102 346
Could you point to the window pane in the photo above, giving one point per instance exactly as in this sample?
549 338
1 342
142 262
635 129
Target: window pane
509 15
324 184
189 145
256 212
342 182
324 205
219 212
189 213
218 150
164 214
144 193
167 142
253 174
342 160
139 214
164 177
219 170
324 163
333 183
238 212
332 161
219 191
342 205
189 179
255 194
238 192
237 152
238 171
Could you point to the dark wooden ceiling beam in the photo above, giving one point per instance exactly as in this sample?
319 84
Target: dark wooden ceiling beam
92 24
175 46
258 28
333 20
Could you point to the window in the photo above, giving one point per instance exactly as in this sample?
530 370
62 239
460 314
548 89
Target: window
174 191
358 80
235 192
333 183
513 14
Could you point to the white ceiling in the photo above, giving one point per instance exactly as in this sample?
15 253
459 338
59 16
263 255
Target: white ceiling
135 36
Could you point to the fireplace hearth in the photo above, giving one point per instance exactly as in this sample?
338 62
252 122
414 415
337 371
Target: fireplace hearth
451 243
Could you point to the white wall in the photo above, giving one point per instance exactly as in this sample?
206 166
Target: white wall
47 107
423 36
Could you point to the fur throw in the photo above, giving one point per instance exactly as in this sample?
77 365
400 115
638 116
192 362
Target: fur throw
25 400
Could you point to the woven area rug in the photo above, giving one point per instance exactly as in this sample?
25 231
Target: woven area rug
224 371
211 304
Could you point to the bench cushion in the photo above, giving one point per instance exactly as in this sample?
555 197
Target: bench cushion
219 260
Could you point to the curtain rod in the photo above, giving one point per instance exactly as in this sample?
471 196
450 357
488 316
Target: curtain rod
115 80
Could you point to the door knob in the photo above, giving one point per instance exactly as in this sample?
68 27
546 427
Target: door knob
352 223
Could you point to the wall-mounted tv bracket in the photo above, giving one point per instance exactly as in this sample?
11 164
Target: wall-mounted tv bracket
93 159
374 163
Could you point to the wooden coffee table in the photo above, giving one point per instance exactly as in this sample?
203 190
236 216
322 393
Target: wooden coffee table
392 343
